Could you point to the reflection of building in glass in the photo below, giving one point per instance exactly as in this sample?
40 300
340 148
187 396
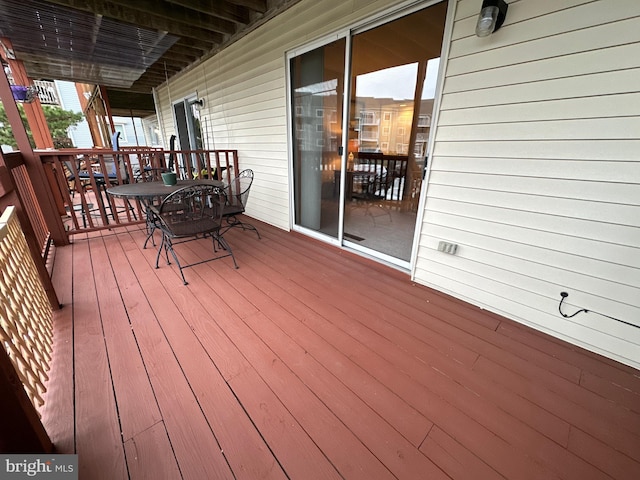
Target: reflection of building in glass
385 125
382 125
316 117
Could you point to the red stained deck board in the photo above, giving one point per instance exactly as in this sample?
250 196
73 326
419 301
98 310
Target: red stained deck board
315 373
218 310
496 407
336 299
460 331
332 392
616 374
346 452
541 378
404 461
97 425
194 445
348 455
247 454
299 456
353 300
570 464
508 460
395 286
611 390
607 459
538 418
130 380
505 426
58 410
469 319
457 461
298 364
595 415
148 455
243 448
271 298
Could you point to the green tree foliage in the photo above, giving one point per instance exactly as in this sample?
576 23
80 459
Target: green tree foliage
58 119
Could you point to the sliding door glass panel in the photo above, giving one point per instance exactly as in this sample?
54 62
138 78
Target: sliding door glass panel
317 79
187 118
394 70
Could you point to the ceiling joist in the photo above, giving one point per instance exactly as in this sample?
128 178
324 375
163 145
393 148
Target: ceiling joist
126 45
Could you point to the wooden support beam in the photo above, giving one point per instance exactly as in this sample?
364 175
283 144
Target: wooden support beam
259 6
143 18
179 14
34 166
225 10
33 111
203 46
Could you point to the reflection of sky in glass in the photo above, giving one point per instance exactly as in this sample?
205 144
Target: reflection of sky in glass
398 83
429 90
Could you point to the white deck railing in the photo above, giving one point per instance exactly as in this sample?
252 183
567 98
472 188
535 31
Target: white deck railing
26 327
46 92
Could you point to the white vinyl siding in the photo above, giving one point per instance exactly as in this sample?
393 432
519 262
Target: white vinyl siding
535 171
244 88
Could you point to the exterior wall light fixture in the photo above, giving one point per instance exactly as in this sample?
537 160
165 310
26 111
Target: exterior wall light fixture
491 17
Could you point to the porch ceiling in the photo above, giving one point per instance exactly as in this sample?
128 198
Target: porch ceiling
124 45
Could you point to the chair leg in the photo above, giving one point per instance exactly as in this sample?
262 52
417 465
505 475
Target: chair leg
131 209
165 245
248 226
151 228
80 208
159 250
168 247
223 243
232 221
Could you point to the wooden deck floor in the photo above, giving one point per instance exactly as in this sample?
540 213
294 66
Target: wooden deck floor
312 363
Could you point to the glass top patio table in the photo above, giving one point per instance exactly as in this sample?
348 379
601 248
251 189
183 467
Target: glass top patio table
149 190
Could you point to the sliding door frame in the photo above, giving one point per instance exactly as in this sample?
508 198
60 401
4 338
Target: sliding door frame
363 25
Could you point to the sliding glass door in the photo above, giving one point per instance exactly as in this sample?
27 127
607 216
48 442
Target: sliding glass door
187 118
317 86
358 181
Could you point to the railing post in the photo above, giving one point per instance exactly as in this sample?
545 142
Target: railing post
9 195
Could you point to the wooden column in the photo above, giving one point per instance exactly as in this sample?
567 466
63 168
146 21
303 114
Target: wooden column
34 166
107 108
413 171
33 111
90 113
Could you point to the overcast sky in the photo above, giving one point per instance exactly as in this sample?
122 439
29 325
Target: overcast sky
398 83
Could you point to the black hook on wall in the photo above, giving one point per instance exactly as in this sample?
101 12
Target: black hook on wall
565 295
584 310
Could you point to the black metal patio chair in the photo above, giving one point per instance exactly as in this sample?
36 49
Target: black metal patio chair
188 214
237 193
374 184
